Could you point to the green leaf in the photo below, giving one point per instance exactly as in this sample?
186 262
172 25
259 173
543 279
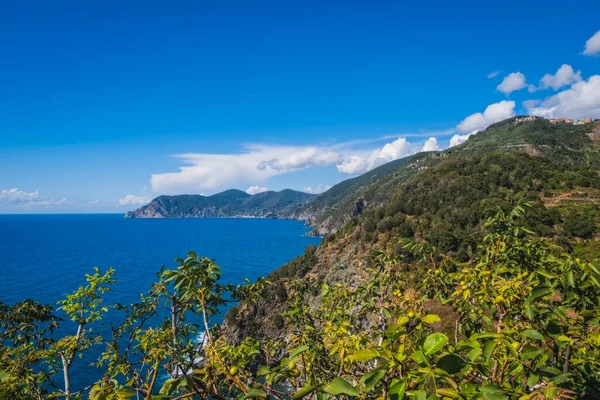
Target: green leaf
418 394
263 370
305 391
364 355
467 388
530 312
540 292
431 318
434 343
370 380
447 392
488 349
473 354
339 386
451 363
396 391
533 334
419 357
490 389
125 394
530 352
486 335
533 380
255 394
570 279
169 386
545 273
298 350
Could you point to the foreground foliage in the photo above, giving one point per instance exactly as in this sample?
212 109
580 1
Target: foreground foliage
520 320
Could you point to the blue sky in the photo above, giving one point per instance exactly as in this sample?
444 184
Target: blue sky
104 103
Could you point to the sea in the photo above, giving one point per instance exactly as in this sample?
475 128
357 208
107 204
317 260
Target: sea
45 257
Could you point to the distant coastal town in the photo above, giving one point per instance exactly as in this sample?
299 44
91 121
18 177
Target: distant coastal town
557 120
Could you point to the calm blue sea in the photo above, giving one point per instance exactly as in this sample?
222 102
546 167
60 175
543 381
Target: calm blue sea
43 257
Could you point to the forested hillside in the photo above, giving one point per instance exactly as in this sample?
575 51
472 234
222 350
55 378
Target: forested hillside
442 199
564 145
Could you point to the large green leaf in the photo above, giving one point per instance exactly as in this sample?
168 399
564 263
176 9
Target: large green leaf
434 343
396 391
418 394
298 350
447 392
451 363
169 386
305 391
488 349
365 354
530 352
533 334
339 386
370 380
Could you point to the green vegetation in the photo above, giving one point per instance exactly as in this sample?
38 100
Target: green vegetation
554 157
466 274
520 320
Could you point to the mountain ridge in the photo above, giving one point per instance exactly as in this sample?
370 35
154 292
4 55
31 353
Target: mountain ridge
228 204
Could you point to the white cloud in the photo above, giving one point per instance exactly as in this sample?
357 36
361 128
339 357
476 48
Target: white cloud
581 99
493 74
354 165
131 199
530 104
309 157
256 164
430 144
493 113
512 82
358 164
479 121
256 189
592 46
317 190
214 172
458 139
17 197
564 76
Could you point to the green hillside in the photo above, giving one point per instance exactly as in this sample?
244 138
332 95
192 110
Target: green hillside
443 198
561 145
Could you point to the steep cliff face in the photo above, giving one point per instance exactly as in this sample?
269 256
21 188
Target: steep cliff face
231 203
